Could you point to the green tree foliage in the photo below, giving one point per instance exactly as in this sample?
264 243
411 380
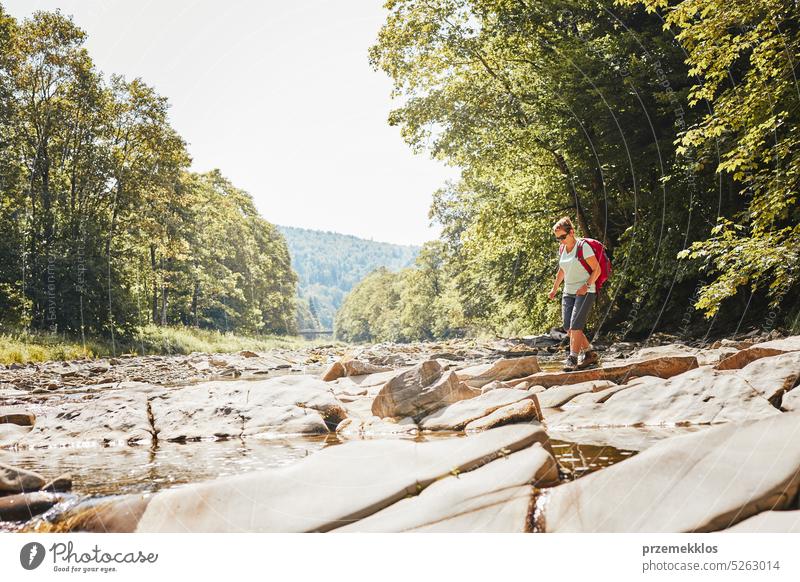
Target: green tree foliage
417 303
329 264
576 107
105 229
743 57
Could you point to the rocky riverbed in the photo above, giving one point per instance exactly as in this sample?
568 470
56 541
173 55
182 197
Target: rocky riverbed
450 436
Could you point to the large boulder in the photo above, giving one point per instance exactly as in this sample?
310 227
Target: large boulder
701 396
619 373
493 498
420 391
457 415
332 488
501 370
706 481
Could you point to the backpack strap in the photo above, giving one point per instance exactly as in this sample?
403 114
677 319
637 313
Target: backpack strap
579 256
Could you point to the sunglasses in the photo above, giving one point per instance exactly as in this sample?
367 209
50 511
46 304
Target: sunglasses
562 237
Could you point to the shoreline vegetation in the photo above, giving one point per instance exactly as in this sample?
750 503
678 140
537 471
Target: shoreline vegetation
23 347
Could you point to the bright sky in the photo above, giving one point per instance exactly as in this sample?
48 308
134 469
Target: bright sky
278 95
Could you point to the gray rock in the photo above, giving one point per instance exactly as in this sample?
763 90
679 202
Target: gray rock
771 376
523 411
706 481
16 480
111 418
292 404
701 396
456 416
560 395
492 498
420 391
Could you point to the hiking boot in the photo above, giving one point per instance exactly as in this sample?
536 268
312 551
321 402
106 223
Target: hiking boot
571 363
589 359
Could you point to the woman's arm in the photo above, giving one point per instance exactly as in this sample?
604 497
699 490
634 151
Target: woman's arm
595 274
556 283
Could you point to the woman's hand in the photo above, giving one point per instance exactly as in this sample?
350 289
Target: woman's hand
552 294
583 290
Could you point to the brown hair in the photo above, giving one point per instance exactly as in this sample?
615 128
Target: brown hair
565 224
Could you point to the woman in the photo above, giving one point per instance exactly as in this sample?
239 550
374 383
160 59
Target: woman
579 292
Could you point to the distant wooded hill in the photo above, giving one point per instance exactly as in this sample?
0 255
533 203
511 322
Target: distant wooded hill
329 264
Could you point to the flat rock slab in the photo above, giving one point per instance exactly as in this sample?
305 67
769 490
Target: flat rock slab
622 438
599 396
105 419
706 481
522 411
292 404
501 370
771 376
560 395
744 357
420 391
701 396
769 522
466 497
457 416
329 489
664 367
17 480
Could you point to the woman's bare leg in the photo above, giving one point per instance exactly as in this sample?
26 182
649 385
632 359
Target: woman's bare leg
578 341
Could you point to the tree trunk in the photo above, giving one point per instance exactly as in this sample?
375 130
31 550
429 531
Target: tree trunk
164 299
155 284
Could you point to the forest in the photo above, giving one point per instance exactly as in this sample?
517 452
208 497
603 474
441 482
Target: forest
104 227
329 264
667 129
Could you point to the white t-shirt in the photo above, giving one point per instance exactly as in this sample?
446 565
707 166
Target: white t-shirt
575 274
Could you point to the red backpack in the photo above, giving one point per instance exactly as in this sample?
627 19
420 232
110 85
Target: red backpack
600 254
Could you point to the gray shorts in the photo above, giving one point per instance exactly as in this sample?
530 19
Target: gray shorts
575 309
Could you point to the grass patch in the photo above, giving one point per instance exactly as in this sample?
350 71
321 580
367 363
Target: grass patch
29 346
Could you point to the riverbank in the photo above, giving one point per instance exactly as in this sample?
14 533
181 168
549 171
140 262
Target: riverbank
463 435
24 347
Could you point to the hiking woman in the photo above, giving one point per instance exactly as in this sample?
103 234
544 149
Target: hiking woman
579 291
